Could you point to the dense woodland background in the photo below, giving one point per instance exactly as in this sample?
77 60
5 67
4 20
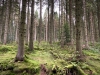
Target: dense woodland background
73 25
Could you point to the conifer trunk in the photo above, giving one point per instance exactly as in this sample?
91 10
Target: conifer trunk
78 16
20 52
31 26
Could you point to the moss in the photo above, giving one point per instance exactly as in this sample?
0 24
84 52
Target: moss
52 55
4 49
7 48
8 72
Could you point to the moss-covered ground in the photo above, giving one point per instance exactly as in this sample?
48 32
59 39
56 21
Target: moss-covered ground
52 56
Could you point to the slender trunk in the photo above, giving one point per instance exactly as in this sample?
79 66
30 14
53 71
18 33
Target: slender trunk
98 15
20 52
48 38
10 25
18 22
85 26
0 2
35 31
62 24
92 27
1 19
51 22
70 20
54 32
78 16
16 32
40 22
31 27
59 21
96 29
46 30
6 23
28 24
66 10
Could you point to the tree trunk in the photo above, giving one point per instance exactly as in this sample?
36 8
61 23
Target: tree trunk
46 30
40 22
51 21
18 23
98 15
85 26
28 24
20 52
96 31
35 30
59 20
48 36
78 16
92 27
2 20
70 20
0 2
6 23
31 27
16 32
62 24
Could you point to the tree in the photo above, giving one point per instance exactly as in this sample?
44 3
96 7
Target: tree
66 10
46 25
2 20
67 33
48 36
62 24
18 21
31 26
20 52
85 25
98 15
70 19
59 19
35 25
6 22
78 16
28 23
0 2
51 21
40 21
92 26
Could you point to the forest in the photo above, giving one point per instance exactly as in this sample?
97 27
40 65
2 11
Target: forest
49 37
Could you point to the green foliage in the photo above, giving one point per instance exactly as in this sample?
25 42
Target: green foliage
97 47
51 55
67 32
5 48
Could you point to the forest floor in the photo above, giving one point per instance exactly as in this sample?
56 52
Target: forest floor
55 60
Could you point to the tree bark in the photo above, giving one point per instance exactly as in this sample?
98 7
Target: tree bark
92 27
51 21
18 23
62 24
0 2
85 26
59 20
2 20
6 23
31 27
48 36
28 24
98 15
35 30
78 16
40 22
20 52
70 19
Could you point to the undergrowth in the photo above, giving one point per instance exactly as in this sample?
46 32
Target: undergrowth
51 55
